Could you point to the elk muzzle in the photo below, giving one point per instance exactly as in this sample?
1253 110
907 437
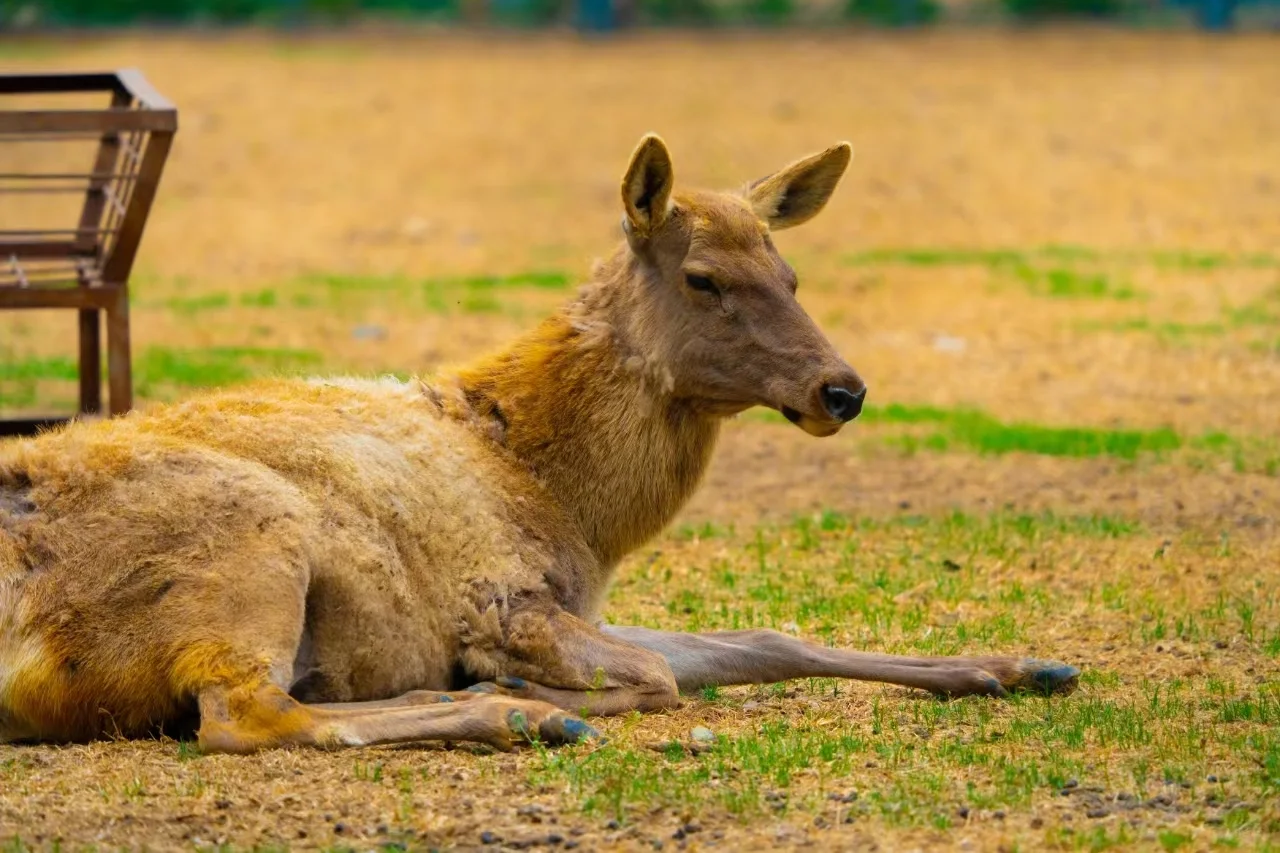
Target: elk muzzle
841 403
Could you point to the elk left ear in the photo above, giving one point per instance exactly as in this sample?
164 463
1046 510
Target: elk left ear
796 193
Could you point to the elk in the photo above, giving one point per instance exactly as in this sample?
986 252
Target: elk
341 562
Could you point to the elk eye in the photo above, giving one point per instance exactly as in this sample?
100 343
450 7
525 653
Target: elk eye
701 282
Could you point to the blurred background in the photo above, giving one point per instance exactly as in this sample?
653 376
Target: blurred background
608 15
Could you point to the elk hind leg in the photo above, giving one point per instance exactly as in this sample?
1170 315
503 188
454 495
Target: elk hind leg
248 718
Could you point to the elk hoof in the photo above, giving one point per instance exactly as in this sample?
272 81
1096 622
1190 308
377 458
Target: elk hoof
994 687
1047 677
511 682
559 729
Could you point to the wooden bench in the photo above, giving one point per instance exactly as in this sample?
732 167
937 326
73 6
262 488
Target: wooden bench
76 184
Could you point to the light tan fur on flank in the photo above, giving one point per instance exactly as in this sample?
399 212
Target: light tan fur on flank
328 562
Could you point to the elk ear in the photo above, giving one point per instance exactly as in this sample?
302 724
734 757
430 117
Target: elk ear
796 193
646 189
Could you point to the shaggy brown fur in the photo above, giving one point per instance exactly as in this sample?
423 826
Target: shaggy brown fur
375 545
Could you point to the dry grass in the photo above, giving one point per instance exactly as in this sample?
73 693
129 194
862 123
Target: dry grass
1057 253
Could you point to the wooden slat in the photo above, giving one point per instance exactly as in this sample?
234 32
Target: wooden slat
90 361
21 298
38 248
85 121
95 196
42 138
120 263
119 363
60 176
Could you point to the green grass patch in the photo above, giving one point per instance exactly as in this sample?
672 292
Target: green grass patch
939 257
190 306
32 369
977 431
19 380
974 430
158 367
914 429
1058 254
1064 272
1064 283
1170 331
214 366
767 577
1129 741
478 294
1261 314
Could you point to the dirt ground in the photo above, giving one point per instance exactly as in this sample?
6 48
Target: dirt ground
1057 229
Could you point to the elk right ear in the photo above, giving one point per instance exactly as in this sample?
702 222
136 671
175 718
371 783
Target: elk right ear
646 189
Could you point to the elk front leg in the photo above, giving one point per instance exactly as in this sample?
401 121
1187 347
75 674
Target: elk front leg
549 655
766 657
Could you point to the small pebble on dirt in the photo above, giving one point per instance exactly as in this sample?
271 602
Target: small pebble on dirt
369 333
488 837
1096 813
702 734
750 705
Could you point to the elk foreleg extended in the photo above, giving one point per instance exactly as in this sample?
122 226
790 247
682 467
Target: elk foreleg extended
549 655
766 657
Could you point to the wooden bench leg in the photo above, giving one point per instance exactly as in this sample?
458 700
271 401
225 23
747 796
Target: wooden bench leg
90 362
119 369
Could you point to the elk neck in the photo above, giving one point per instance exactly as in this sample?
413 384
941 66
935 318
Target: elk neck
584 407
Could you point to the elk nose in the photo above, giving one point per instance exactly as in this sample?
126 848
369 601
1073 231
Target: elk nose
841 403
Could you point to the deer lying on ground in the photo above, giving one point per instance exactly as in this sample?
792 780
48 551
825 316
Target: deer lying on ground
329 562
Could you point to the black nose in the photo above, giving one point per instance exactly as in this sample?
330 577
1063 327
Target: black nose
841 403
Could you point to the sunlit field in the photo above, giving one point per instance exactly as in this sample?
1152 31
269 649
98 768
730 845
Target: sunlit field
1056 261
